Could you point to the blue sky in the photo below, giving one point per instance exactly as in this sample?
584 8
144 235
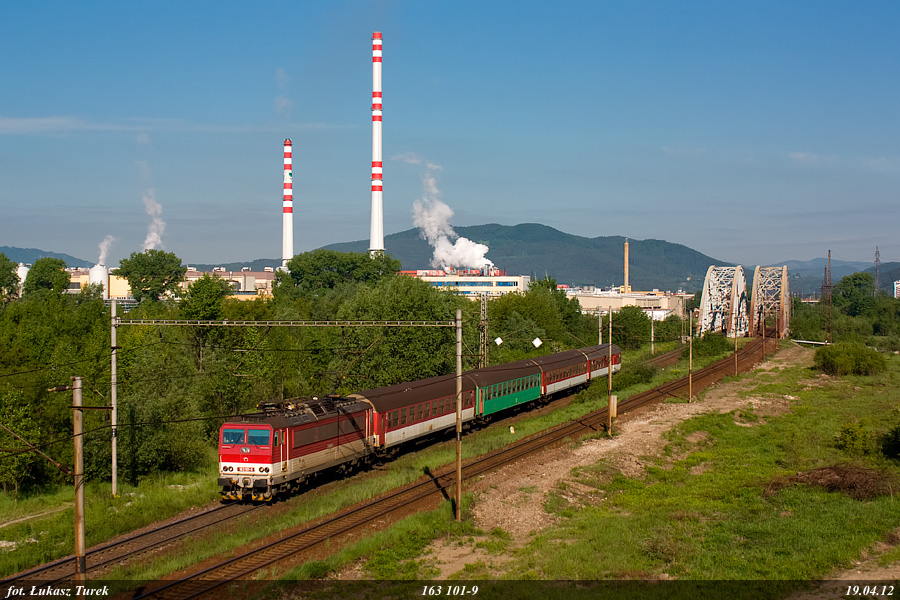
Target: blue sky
753 132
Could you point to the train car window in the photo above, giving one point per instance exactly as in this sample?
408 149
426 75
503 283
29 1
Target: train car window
258 437
403 416
418 412
233 436
427 412
395 418
434 407
277 438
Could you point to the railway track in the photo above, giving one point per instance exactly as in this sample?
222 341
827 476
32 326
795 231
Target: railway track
664 360
441 482
113 553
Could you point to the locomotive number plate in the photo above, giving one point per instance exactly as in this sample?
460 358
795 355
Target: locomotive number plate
245 469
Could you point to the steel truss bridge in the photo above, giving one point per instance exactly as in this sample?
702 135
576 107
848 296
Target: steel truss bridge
724 303
771 299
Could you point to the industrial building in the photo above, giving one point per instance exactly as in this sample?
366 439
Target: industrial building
473 283
658 305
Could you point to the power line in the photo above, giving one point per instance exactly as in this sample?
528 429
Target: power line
15 452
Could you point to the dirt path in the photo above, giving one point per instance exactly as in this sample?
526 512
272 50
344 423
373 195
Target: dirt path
36 515
513 500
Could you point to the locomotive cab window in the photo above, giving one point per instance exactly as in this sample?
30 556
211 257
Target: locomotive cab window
233 436
258 437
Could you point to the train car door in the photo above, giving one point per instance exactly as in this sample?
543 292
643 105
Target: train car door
281 436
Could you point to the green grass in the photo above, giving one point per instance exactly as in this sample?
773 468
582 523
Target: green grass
155 499
714 523
43 538
721 524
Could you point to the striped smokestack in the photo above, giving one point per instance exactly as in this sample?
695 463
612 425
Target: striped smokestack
287 208
376 231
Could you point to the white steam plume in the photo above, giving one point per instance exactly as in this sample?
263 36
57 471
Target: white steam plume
432 217
104 249
157 225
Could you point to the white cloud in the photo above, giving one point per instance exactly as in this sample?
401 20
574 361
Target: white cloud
881 164
683 152
810 159
409 158
18 126
283 106
281 77
143 126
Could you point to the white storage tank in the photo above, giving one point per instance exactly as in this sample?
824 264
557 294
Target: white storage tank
99 274
22 272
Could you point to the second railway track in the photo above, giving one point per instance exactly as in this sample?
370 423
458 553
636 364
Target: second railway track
107 555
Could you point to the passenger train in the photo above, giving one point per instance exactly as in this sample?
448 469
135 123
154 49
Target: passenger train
271 451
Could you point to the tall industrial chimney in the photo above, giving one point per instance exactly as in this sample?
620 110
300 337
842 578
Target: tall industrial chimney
287 219
376 231
627 289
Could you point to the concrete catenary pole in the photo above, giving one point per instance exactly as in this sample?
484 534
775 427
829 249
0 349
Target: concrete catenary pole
287 207
77 419
376 232
609 370
459 395
113 396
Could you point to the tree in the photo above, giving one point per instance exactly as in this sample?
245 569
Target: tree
15 415
152 273
319 270
631 327
46 274
203 299
9 278
855 295
394 354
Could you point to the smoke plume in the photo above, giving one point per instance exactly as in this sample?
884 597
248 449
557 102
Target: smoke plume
432 217
104 249
157 225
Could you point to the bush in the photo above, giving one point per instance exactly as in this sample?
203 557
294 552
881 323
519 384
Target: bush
849 358
711 344
890 443
633 374
884 343
855 439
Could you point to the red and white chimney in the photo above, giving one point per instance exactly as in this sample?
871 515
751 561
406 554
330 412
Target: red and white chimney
287 208
376 231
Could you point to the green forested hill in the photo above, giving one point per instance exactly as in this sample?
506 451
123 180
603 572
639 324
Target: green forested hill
538 250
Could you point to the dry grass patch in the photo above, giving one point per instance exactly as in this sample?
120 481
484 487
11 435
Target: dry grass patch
857 482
